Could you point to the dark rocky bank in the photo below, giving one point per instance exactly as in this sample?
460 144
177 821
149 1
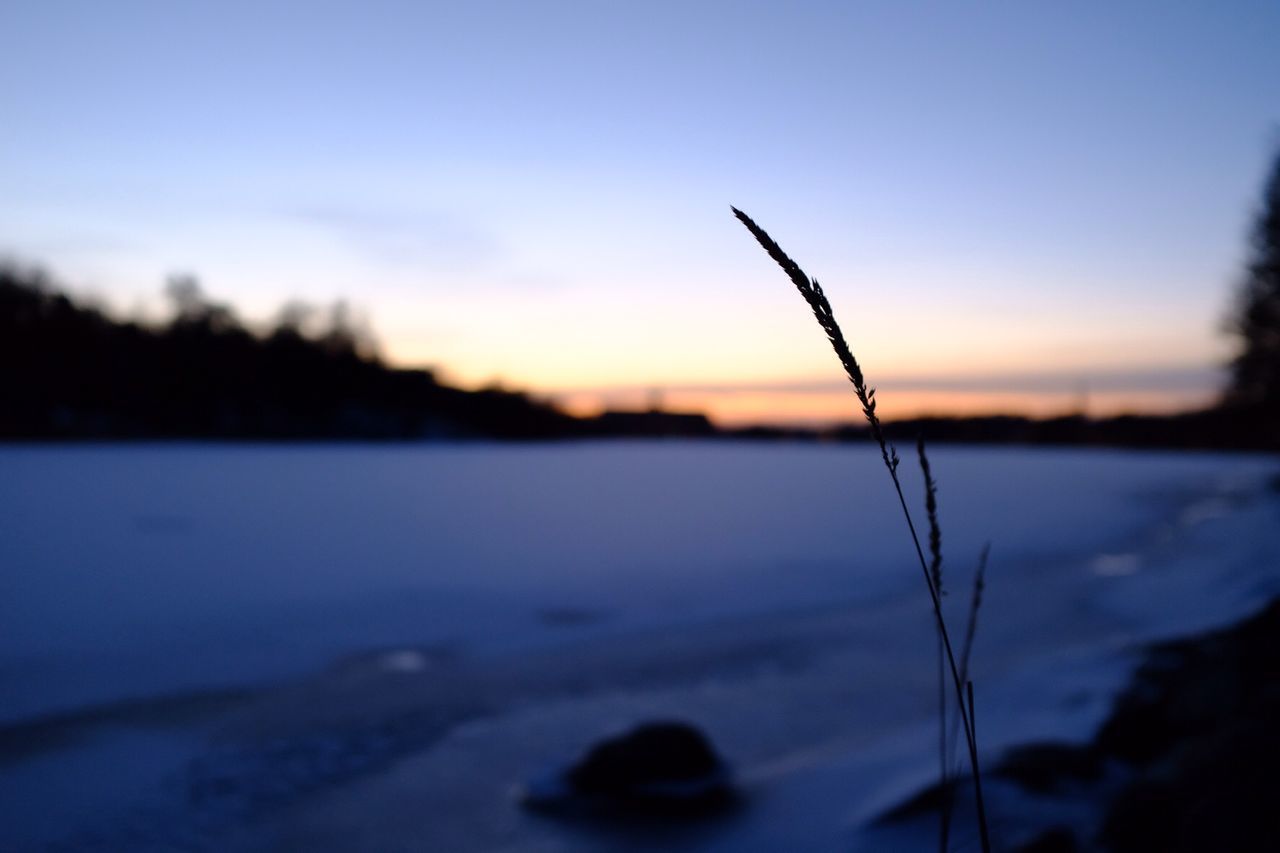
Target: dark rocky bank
1188 759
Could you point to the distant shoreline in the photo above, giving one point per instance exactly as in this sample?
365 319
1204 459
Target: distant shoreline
69 372
1211 429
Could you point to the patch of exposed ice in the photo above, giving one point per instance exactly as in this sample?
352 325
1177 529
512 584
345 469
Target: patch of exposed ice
404 660
1115 565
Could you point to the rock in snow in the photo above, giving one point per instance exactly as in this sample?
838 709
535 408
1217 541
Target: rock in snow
657 769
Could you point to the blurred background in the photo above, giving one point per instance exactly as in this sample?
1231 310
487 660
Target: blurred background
391 407
1023 209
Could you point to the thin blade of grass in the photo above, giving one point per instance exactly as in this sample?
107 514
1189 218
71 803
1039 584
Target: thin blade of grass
971 626
975 603
935 569
977 786
822 311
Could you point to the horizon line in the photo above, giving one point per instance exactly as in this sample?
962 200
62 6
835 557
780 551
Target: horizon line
1172 378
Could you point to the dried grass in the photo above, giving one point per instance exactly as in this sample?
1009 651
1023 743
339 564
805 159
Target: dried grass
932 570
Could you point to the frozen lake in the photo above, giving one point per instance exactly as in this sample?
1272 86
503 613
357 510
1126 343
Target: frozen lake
162 602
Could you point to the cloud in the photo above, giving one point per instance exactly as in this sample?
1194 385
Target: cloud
427 240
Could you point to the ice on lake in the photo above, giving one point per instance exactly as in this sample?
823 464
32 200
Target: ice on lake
355 647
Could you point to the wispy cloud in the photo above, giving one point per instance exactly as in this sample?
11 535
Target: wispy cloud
429 240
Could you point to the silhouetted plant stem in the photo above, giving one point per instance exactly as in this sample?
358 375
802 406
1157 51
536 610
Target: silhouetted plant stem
971 627
977 780
931 509
821 307
935 569
975 602
944 813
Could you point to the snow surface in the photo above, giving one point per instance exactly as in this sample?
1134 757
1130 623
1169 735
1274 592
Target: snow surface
369 647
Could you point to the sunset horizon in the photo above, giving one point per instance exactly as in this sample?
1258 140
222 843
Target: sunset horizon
553 213
1087 387
691 426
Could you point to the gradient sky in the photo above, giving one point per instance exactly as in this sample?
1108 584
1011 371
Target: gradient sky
1010 204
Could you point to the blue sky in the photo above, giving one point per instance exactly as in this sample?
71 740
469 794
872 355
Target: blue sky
539 192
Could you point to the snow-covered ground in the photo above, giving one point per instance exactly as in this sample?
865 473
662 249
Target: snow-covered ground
368 647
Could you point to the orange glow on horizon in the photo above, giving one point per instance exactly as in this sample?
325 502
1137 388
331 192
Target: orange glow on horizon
739 409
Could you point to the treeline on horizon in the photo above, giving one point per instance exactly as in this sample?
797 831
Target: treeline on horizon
70 371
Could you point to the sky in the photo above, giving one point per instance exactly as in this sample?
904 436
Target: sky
1013 206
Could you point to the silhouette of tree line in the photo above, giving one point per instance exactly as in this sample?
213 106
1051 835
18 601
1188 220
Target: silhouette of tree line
68 370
